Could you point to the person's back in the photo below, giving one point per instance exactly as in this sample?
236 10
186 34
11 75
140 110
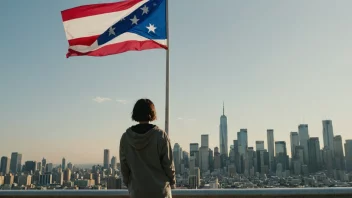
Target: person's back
146 156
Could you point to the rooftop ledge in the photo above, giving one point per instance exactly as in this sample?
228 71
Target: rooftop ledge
208 193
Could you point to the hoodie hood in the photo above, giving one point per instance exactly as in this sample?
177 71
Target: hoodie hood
140 141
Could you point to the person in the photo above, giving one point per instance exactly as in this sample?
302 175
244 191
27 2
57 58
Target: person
146 156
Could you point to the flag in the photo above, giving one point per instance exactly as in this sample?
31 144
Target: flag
113 28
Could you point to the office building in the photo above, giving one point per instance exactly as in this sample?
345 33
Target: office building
242 138
223 134
70 166
193 183
43 165
262 161
49 167
204 141
299 154
217 159
204 159
113 163
114 183
194 152
294 138
45 179
303 140
211 160
327 160
192 165
16 162
63 164
314 154
30 166
328 135
204 153
259 145
9 179
39 166
58 178
338 153
271 147
177 158
24 180
106 158
348 151
185 159
5 165
67 174
281 155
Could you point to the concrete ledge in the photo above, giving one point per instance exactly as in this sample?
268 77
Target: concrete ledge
211 193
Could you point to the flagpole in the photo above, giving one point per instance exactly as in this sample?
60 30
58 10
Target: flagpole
167 98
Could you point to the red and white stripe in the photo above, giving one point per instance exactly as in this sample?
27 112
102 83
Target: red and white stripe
84 24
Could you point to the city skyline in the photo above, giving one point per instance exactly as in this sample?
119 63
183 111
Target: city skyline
274 64
263 143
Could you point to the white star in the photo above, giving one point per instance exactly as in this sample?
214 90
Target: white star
151 28
134 20
154 4
145 10
112 31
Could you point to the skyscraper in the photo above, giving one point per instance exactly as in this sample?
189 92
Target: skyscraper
204 153
63 165
194 152
16 162
5 165
262 161
314 154
106 158
185 160
328 134
30 166
177 158
338 153
259 145
43 165
271 148
204 159
303 140
281 154
348 151
113 163
217 160
70 166
299 154
49 167
294 142
223 134
205 141
39 166
242 138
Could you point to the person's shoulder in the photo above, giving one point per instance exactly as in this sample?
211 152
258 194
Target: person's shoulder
124 134
160 132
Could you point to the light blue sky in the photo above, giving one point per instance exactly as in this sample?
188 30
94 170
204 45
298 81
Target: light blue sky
275 63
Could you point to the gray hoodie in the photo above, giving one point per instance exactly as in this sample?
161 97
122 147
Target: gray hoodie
147 163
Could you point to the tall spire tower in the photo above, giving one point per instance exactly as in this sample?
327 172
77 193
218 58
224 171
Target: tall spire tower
223 133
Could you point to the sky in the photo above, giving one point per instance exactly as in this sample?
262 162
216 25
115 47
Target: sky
274 63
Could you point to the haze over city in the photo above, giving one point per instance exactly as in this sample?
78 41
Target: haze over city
274 64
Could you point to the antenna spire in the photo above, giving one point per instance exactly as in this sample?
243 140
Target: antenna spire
223 108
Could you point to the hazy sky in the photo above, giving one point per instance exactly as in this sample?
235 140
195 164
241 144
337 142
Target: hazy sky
275 63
